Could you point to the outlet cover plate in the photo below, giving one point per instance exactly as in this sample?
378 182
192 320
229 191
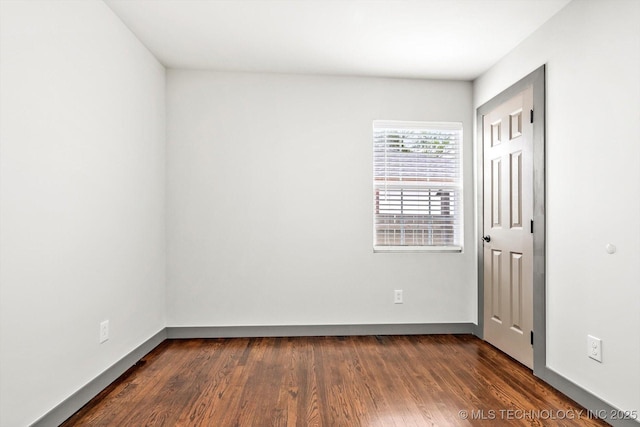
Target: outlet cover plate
397 296
104 331
594 348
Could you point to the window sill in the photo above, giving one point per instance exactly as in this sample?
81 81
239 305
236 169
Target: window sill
415 249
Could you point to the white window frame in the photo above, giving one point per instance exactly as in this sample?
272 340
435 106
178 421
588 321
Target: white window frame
435 195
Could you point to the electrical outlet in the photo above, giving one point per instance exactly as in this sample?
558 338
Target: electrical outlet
594 348
397 296
104 331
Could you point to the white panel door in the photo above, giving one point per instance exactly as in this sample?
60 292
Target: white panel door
508 212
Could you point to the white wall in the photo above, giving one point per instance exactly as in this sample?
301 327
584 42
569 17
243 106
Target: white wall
592 52
269 198
81 197
269 193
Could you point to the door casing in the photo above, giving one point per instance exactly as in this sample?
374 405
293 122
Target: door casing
536 80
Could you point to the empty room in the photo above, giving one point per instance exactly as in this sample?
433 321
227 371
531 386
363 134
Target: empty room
319 212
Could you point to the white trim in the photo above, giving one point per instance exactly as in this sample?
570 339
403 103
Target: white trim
382 249
384 124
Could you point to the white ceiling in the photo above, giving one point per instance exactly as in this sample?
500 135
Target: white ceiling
449 39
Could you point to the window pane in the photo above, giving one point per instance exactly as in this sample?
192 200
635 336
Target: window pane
417 184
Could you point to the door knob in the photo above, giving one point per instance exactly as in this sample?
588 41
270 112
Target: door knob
487 238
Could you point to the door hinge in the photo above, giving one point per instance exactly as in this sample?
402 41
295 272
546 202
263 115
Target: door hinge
531 116
531 226
531 337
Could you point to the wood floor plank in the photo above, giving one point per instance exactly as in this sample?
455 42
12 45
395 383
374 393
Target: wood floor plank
329 381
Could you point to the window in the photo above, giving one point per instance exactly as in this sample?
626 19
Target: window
417 185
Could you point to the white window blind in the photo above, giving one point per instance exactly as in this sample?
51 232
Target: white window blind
417 184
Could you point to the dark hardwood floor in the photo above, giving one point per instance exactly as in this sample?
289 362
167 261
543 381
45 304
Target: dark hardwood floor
434 380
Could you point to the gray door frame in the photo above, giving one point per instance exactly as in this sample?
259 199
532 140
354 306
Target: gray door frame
536 80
